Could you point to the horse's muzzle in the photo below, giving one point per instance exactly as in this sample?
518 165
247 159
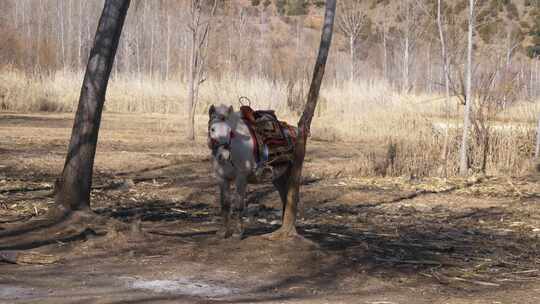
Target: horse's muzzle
223 154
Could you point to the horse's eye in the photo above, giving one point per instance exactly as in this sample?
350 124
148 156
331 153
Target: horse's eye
213 130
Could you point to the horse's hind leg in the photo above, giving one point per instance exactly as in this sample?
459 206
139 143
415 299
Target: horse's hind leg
225 202
240 206
281 185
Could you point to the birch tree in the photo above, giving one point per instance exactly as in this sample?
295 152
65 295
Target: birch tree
199 28
409 36
445 62
351 22
463 153
537 144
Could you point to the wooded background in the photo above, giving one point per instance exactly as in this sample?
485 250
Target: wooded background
275 40
384 82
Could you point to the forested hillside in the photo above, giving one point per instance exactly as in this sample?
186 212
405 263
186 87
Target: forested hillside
274 40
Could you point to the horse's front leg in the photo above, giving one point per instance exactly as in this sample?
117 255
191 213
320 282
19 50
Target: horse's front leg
240 205
225 203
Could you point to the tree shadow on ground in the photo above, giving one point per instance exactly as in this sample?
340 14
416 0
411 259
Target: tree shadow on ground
445 247
440 246
452 251
159 210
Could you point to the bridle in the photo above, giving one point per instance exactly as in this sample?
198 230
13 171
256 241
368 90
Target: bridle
214 144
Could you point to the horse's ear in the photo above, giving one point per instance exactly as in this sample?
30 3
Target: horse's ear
231 110
211 111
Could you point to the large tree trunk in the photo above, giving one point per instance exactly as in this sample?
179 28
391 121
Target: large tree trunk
73 187
70 220
463 162
288 229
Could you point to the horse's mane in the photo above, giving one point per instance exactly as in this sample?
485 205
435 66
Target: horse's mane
231 118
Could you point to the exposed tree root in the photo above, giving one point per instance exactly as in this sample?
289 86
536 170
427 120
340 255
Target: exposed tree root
52 218
54 228
283 234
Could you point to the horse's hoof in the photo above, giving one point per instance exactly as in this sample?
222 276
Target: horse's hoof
238 236
238 233
223 233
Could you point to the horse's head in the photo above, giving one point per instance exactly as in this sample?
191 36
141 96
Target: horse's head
220 132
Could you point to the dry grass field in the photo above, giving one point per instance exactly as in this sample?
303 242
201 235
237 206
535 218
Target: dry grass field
372 239
410 127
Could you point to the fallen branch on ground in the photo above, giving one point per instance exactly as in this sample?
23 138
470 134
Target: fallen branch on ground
17 257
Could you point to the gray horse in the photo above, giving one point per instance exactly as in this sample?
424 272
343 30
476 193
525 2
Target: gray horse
234 162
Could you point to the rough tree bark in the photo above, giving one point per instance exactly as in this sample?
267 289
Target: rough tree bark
73 192
288 228
73 187
463 161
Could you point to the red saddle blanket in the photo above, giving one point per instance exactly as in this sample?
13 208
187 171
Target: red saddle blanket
273 139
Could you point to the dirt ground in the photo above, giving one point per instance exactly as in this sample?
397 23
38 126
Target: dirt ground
369 240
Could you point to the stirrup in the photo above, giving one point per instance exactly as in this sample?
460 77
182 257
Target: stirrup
264 172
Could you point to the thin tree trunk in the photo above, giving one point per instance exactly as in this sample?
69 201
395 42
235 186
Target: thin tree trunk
138 55
187 54
74 185
127 55
351 45
16 21
463 163
199 45
168 46
444 55
38 39
429 68
537 72
406 65
23 22
61 33
69 33
151 65
193 67
288 229
531 77
537 146
88 33
79 47
191 87
385 53
29 23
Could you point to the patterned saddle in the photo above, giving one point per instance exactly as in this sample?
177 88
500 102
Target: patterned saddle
274 139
